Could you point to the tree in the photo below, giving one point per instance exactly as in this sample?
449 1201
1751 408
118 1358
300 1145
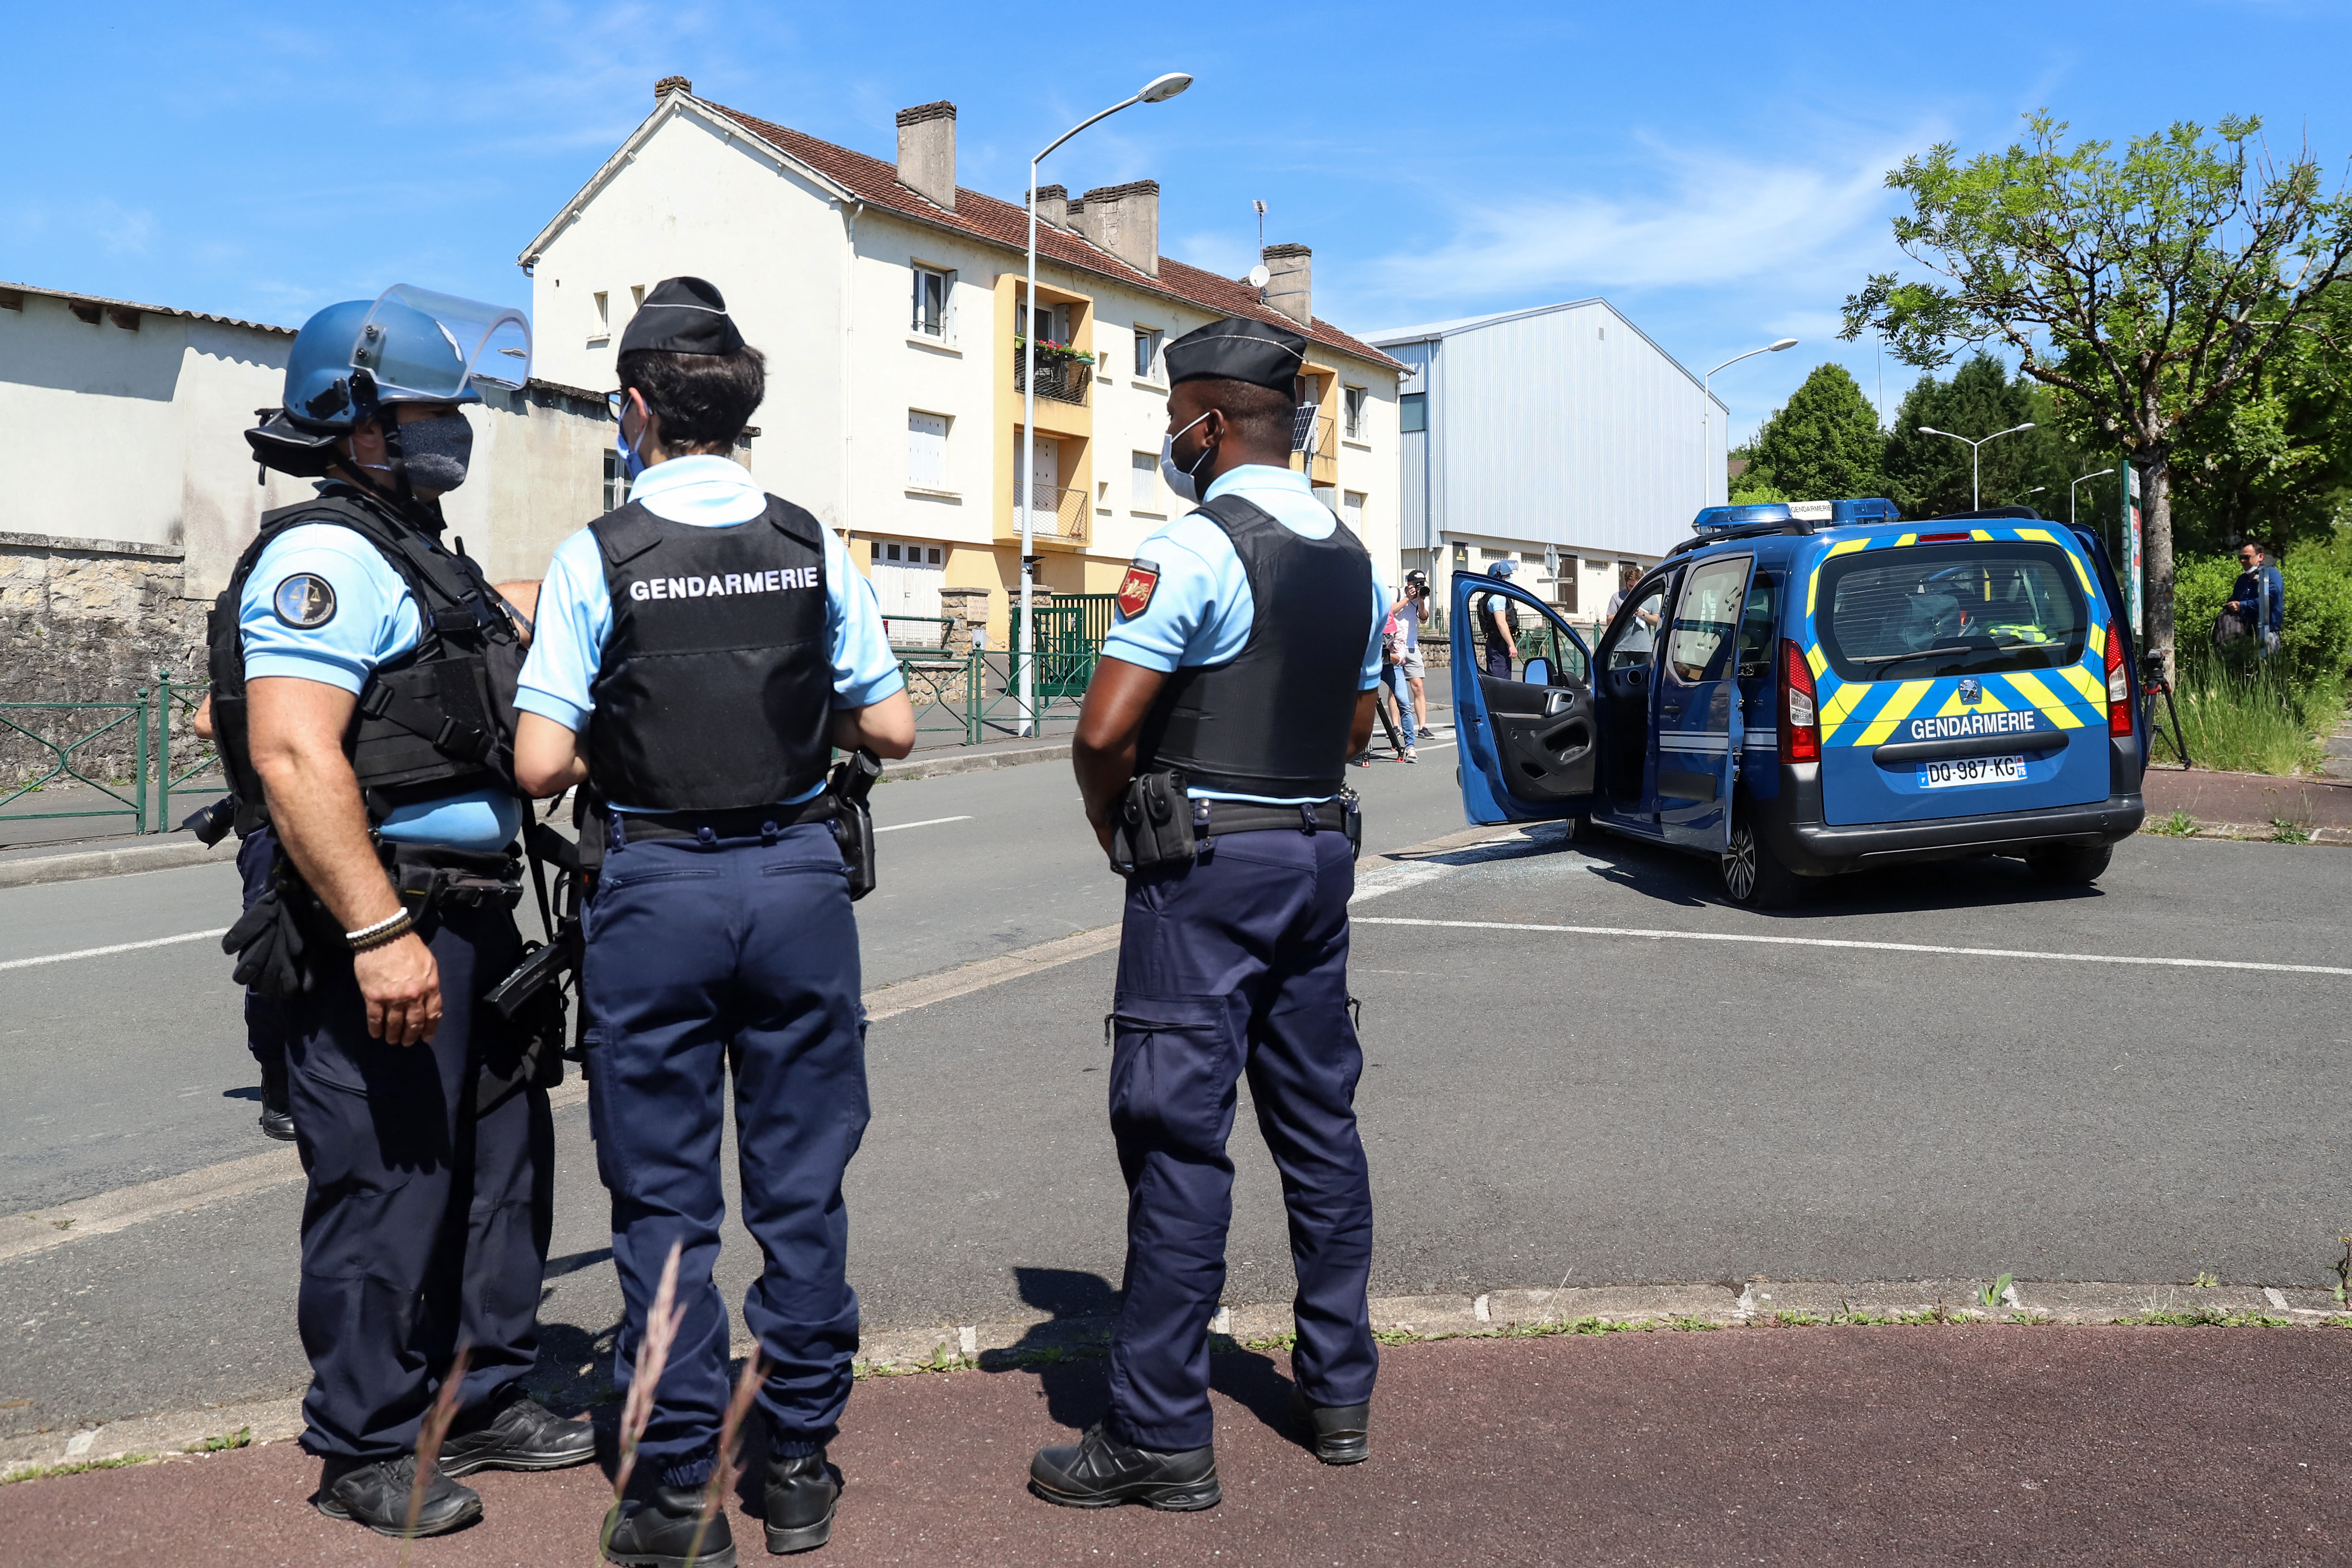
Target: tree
2275 463
1824 445
2160 282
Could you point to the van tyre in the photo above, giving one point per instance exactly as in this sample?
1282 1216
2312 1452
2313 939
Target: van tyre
1753 877
2070 864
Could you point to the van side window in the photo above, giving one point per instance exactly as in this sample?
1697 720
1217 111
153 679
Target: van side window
1634 638
1706 621
1755 629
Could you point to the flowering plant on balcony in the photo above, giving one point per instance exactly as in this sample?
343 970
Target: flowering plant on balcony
1048 350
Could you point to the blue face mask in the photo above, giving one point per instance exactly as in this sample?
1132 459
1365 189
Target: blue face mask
1180 480
631 464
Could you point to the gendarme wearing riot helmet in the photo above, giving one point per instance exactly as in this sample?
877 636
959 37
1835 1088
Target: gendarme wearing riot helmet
700 650
1211 753
362 685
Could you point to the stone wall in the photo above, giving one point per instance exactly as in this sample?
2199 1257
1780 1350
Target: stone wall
89 621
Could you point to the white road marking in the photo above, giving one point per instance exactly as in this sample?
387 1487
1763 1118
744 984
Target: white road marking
926 822
1393 878
118 947
1870 946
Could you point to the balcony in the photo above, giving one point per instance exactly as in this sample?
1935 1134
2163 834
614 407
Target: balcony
1059 377
1058 515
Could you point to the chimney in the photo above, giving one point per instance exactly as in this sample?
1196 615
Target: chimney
1290 281
670 84
1054 205
1079 221
1125 221
927 152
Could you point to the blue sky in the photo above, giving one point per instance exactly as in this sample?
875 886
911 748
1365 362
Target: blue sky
1716 170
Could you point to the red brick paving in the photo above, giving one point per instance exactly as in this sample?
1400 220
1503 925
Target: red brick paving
2257 798
1810 1445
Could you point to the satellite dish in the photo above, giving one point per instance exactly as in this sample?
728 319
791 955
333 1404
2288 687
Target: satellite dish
1258 276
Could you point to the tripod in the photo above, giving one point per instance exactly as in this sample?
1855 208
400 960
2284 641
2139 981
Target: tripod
2153 685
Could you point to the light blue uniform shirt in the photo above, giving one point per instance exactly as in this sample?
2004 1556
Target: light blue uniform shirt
1203 609
575 604
372 620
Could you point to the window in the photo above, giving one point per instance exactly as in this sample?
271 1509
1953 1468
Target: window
1352 400
604 330
636 296
1563 586
1144 494
934 292
1351 510
1706 621
926 450
1412 412
1975 608
612 479
1148 340
1755 628
1631 638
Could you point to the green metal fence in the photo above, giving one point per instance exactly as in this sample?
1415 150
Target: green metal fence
148 720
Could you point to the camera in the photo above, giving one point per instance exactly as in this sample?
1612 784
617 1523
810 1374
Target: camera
211 825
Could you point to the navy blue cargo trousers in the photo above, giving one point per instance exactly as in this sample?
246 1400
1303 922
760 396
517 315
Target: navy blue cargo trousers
1236 962
736 955
426 1222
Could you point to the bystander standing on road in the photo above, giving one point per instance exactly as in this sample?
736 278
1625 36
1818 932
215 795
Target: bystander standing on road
1501 619
2258 599
700 651
1411 614
1211 755
356 663
1393 695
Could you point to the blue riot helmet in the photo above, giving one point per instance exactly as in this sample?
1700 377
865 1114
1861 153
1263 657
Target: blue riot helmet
356 361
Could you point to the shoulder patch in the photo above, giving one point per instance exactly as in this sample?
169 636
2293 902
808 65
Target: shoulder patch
1135 589
305 601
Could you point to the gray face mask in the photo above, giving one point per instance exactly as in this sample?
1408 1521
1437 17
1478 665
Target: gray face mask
437 451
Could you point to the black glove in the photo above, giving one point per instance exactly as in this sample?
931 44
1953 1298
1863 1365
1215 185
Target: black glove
267 941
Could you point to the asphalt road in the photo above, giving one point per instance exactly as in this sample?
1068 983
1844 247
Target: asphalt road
1538 1105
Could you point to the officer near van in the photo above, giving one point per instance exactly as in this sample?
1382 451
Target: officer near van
362 677
1502 627
1211 753
698 653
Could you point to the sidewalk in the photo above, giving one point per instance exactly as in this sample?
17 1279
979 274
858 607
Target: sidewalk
1817 1446
2247 798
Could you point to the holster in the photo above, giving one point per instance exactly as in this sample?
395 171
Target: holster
1152 825
849 786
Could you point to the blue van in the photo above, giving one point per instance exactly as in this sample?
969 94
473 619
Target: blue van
1799 691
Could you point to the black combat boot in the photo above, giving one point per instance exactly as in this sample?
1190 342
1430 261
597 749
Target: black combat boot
517 1433
801 1498
1100 1471
277 1104
665 1529
376 1493
1342 1433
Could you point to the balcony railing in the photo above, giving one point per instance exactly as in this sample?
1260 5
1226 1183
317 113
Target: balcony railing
1062 379
1057 513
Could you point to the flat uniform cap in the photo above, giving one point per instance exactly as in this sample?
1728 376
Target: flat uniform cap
682 316
1237 349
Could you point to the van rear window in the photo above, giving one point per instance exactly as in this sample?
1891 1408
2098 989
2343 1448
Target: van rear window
1980 608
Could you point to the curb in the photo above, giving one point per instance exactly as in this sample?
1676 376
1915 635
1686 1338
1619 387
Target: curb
2251 833
1758 1304
122 862
974 762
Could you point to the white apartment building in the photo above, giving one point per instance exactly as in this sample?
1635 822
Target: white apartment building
890 303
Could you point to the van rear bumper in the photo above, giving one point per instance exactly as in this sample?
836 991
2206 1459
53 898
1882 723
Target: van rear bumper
1815 849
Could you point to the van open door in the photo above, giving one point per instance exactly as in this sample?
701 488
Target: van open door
1701 729
1531 741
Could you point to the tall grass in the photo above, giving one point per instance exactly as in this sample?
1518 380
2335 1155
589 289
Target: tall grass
2244 717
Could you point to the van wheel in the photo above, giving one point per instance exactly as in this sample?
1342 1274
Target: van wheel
1753 877
2070 864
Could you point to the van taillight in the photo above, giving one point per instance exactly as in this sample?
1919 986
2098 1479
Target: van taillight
1801 733
2119 713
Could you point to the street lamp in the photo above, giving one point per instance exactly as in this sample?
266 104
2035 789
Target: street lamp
1975 503
1706 404
2070 493
1158 89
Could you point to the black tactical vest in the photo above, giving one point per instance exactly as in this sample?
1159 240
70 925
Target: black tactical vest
436 722
1275 720
715 688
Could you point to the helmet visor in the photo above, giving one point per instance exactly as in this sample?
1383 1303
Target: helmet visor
426 347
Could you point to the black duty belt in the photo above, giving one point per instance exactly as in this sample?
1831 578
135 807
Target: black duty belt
710 827
1212 818
431 877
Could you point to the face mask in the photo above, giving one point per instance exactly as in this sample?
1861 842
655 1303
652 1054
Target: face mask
631 464
1180 480
437 451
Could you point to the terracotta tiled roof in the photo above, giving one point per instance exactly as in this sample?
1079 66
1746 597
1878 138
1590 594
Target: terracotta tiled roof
986 217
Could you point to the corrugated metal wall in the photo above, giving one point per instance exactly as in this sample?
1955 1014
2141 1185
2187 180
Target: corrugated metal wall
1569 428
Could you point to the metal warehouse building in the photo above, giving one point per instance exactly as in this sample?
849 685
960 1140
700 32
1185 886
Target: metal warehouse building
1560 436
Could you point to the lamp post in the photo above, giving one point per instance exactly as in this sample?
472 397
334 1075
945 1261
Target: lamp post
1706 404
1975 504
1158 89
2070 493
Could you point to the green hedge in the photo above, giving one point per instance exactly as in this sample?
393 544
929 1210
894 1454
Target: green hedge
2315 634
